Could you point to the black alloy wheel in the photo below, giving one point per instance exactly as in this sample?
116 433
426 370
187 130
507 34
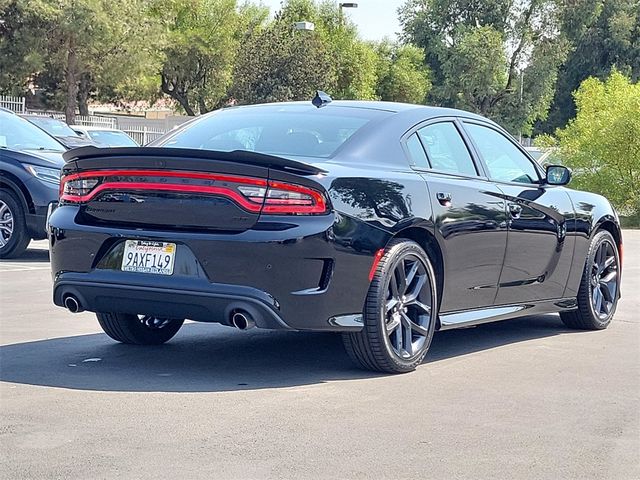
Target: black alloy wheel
599 288
400 312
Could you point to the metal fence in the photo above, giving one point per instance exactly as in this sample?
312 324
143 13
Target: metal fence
85 120
145 134
15 104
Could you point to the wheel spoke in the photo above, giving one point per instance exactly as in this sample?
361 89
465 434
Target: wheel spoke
391 303
401 279
407 332
414 326
413 296
399 338
609 261
412 273
607 290
609 277
3 209
393 324
597 301
421 306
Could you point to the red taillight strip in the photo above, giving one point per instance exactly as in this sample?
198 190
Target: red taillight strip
319 206
164 187
253 204
165 173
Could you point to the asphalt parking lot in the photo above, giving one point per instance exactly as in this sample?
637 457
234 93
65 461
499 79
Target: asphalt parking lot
520 399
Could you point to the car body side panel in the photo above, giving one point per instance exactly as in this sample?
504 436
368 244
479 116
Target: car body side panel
540 244
472 233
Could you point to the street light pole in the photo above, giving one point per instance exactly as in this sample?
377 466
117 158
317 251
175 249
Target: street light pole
345 5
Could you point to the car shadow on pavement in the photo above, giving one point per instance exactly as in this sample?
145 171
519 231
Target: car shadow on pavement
30 255
212 358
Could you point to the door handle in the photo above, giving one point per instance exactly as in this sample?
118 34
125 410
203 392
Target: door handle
515 210
444 199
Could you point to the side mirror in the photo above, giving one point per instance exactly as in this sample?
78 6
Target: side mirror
558 175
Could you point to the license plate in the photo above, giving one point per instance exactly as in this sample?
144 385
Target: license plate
148 257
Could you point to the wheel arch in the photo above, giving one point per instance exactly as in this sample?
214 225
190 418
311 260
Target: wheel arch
610 226
12 183
427 240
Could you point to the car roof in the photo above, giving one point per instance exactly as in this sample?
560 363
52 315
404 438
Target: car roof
426 111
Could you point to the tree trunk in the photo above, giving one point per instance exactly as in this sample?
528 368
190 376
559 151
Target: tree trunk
83 94
71 81
170 89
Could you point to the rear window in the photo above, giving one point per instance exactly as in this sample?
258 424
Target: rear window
284 131
113 139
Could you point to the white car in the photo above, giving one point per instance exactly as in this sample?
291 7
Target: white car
105 137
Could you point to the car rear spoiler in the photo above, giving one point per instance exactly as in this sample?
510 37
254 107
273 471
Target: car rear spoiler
236 156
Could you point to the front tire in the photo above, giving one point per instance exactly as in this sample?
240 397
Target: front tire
400 312
138 329
599 288
13 227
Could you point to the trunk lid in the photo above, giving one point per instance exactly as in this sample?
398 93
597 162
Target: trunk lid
167 188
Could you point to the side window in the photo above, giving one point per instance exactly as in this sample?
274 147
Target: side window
505 162
446 149
416 152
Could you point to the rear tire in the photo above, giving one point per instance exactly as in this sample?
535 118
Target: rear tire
14 238
400 312
138 329
599 287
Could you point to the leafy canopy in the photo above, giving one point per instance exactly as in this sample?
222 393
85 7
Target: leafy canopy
602 143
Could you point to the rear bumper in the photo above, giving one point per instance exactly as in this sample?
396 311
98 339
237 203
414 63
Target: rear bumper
195 300
297 273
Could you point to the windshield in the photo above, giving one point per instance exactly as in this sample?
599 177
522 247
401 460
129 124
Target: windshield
18 134
113 139
283 130
53 127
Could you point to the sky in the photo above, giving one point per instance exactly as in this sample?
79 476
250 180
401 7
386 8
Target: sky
375 19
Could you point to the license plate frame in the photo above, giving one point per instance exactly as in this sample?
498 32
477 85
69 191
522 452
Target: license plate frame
148 256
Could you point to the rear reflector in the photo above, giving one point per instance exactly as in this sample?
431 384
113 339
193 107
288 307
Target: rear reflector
255 195
376 260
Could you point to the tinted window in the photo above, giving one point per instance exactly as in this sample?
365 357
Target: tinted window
285 130
112 139
416 152
505 162
53 126
18 134
446 149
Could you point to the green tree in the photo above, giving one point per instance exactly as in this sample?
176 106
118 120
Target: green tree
603 33
402 75
202 43
479 53
22 46
279 64
73 47
602 143
353 60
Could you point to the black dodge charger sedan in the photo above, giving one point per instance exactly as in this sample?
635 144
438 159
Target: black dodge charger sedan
383 221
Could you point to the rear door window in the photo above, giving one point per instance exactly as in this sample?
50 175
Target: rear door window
446 150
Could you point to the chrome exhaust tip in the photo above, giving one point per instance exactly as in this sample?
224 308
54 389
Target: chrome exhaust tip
72 304
242 320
